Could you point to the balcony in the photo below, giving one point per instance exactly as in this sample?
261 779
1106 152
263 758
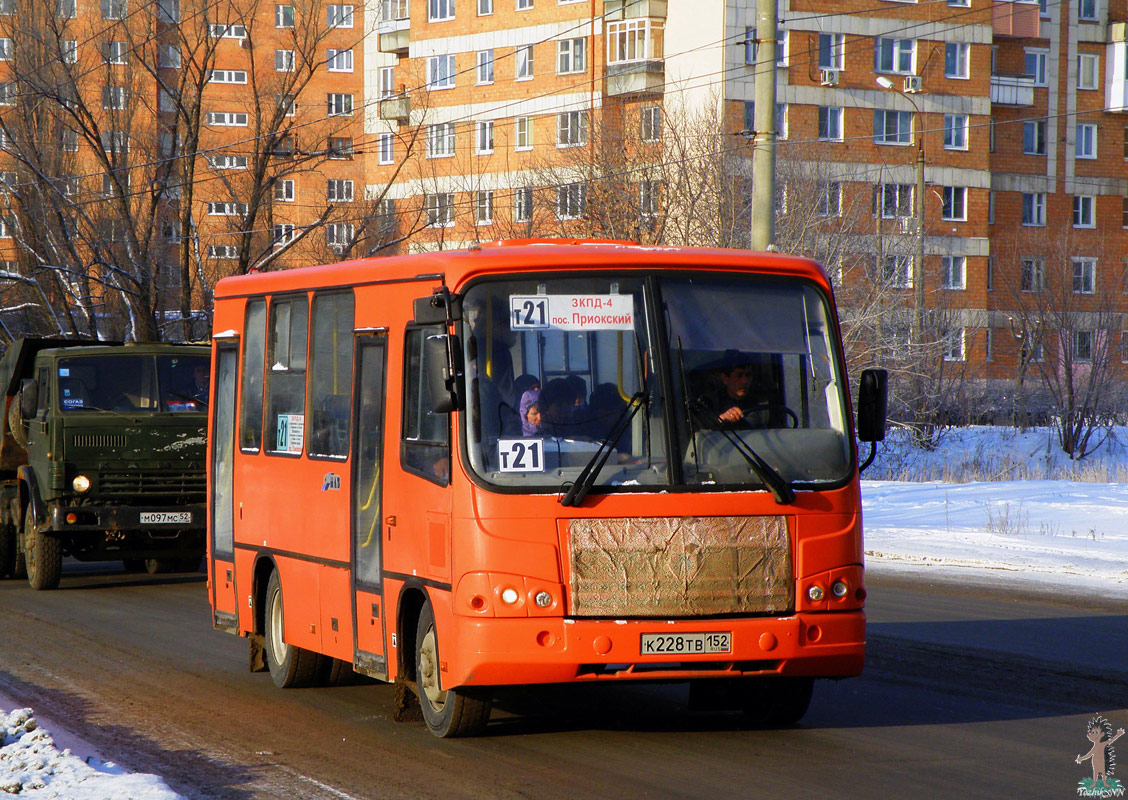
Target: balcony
1016 19
633 9
1012 90
396 108
635 57
394 27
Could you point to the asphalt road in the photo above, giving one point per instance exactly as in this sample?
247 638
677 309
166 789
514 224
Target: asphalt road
968 692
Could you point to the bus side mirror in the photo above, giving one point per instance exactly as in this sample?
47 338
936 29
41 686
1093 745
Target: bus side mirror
439 352
873 401
29 398
432 310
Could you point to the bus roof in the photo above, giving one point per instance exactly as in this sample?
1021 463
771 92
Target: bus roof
519 255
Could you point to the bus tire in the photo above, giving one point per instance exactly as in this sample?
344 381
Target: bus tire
775 702
44 555
448 712
290 666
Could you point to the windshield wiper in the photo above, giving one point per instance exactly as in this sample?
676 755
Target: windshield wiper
780 489
578 490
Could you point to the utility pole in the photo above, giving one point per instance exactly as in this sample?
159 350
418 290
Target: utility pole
764 139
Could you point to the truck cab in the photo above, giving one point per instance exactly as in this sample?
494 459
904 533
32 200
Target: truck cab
102 456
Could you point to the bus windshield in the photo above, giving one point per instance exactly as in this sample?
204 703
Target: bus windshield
735 372
133 383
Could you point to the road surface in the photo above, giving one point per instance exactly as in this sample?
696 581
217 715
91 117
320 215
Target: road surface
968 692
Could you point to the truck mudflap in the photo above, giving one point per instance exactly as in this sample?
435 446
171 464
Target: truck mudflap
158 521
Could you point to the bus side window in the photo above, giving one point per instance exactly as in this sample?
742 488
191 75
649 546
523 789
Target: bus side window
286 375
426 435
331 360
254 346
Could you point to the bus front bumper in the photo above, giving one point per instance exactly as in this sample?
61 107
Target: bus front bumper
500 651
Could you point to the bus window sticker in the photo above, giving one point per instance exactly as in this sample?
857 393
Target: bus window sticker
291 433
64 372
520 455
571 312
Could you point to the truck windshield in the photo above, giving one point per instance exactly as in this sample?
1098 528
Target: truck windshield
132 383
558 366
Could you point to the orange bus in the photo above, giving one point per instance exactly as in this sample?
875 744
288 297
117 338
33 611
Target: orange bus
540 462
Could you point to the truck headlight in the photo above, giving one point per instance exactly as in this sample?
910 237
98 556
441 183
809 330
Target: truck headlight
81 484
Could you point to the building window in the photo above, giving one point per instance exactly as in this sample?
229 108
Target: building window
66 9
892 127
340 16
1034 137
1082 347
284 60
114 98
387 81
1084 211
955 131
571 128
892 200
485 137
1087 10
523 60
115 53
1088 71
571 55
570 200
339 191
169 56
225 251
440 72
1036 65
648 203
897 271
956 59
832 51
228 76
990 210
636 30
339 61
650 123
524 5
990 273
339 105
1084 275
954 207
895 56
114 9
955 345
1034 208
828 200
440 209
341 148
1124 212
340 235
68 51
283 16
523 205
385 149
524 131
284 190
953 272
115 141
483 208
224 161
830 123
283 234
226 31
1086 140
988 344
440 140
486 66
485 7
225 209
68 140
1033 278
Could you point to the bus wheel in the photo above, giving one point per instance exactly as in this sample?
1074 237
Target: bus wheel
44 555
447 712
290 666
775 702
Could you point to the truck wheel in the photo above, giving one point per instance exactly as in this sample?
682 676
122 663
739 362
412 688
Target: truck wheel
44 555
290 666
447 712
16 423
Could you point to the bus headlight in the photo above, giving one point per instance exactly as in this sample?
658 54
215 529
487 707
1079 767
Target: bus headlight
81 484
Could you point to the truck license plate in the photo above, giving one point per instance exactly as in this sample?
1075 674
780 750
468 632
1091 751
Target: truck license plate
654 644
166 517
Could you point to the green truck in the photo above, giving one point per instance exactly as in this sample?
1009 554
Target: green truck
102 453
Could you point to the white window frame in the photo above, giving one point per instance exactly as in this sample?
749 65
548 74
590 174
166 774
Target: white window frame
339 104
338 190
831 123
440 10
226 30
440 72
957 60
953 272
1086 140
223 251
283 16
228 76
385 148
1088 10
440 140
828 201
439 209
339 60
485 8
1040 57
283 191
282 233
954 204
284 60
1084 211
1034 137
1032 275
338 15
523 63
1083 341
832 51
650 123
115 53
1084 275
571 201
901 53
485 72
484 137
902 130
955 131
571 56
339 235
484 207
955 345
571 129
387 81
523 133
1035 202
1088 71
896 271
523 204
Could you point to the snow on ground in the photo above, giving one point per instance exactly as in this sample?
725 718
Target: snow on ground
33 766
1004 506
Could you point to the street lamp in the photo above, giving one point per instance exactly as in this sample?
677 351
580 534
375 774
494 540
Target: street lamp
917 327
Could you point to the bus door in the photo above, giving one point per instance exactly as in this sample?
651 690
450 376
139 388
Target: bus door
367 502
222 566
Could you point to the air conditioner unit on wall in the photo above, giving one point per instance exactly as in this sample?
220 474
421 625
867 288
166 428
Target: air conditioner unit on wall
912 84
828 77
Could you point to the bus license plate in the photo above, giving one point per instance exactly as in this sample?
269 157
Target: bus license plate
654 644
166 517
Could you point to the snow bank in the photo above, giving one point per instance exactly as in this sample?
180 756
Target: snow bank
31 766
